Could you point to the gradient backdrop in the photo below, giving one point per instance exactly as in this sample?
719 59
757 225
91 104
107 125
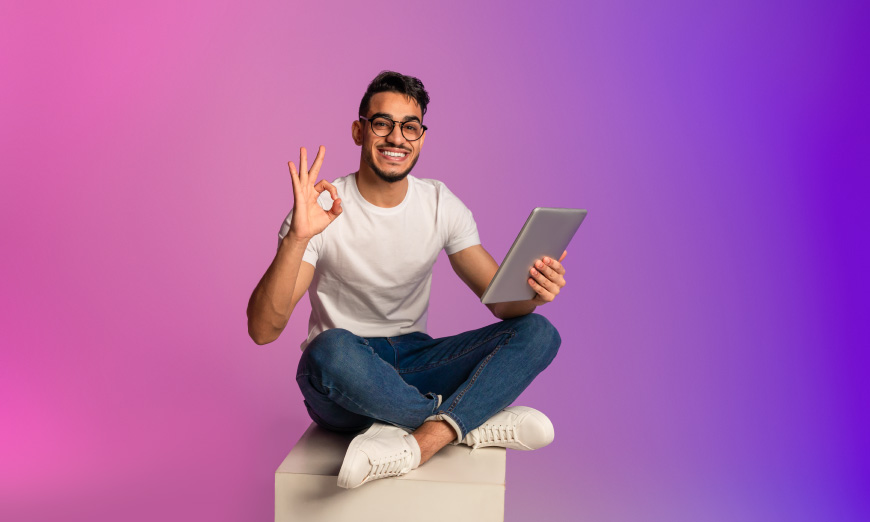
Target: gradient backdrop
714 364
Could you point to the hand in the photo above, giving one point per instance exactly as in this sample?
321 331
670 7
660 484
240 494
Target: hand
548 278
309 219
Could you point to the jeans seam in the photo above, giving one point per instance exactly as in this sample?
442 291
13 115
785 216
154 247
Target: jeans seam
477 374
468 350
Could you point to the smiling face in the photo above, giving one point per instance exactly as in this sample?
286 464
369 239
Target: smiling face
390 157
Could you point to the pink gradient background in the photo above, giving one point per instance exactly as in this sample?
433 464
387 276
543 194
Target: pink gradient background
714 364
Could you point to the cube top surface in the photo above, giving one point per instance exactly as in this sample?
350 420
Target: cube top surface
321 452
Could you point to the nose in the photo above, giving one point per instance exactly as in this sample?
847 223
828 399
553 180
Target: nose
395 136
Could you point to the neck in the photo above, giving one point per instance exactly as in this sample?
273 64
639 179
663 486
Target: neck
377 191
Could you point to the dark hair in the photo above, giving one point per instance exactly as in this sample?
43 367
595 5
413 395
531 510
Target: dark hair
389 81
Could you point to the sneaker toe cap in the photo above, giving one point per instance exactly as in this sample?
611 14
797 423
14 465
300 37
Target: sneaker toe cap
536 431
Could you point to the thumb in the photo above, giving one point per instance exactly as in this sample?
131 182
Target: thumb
335 210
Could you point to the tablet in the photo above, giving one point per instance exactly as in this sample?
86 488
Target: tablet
547 232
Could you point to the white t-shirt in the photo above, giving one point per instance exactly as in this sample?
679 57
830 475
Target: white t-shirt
373 265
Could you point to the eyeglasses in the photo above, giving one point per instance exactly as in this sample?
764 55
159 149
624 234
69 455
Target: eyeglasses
411 130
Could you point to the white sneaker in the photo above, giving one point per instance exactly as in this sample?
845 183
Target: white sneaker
516 427
381 451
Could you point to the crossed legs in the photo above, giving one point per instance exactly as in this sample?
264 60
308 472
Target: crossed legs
440 389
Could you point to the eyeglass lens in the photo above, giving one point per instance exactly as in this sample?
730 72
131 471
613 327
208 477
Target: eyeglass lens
411 130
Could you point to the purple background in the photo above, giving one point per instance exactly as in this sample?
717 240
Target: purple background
714 364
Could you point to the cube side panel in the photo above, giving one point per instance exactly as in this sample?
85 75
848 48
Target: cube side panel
316 498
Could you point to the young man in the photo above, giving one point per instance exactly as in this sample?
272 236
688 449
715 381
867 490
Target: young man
365 245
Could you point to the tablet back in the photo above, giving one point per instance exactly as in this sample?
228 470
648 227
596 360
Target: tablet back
547 232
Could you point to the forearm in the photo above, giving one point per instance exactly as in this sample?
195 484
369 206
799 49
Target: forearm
512 309
271 303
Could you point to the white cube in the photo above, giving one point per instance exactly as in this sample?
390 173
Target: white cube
455 484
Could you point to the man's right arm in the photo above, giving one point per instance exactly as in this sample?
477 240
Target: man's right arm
288 277
281 287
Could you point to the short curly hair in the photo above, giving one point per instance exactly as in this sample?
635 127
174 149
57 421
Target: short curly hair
390 81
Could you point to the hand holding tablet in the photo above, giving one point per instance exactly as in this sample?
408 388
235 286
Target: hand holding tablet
546 233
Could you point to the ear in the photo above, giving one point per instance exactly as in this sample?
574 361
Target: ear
422 139
356 132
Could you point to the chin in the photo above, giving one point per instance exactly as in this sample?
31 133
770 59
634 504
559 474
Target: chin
391 177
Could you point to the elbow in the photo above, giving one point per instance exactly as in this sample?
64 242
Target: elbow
511 309
260 341
263 328
258 336
496 311
256 331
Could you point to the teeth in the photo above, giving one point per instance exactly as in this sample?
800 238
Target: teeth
393 154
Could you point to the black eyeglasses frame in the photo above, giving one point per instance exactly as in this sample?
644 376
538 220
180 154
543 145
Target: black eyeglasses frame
401 128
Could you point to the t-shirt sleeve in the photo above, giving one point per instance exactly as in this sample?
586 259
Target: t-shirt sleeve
312 250
461 228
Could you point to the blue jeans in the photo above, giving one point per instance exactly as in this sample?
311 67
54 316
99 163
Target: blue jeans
348 382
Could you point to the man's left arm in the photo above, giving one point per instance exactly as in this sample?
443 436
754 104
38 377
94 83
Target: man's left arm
476 268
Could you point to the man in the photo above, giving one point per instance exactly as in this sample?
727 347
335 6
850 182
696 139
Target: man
365 245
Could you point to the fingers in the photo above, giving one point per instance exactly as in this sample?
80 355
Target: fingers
305 175
318 161
303 166
565 253
555 265
325 185
550 274
544 294
294 176
335 210
548 284
547 278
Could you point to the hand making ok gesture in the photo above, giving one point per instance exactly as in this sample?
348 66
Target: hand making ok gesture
309 219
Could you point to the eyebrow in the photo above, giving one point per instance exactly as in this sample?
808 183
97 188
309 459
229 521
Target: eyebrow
390 116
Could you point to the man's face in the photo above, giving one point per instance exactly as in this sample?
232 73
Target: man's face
403 153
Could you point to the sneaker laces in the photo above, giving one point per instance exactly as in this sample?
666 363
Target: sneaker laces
392 465
492 435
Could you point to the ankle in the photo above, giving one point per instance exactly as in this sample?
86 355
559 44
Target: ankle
431 436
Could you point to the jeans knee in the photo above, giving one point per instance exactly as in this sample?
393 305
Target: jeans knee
330 351
544 336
